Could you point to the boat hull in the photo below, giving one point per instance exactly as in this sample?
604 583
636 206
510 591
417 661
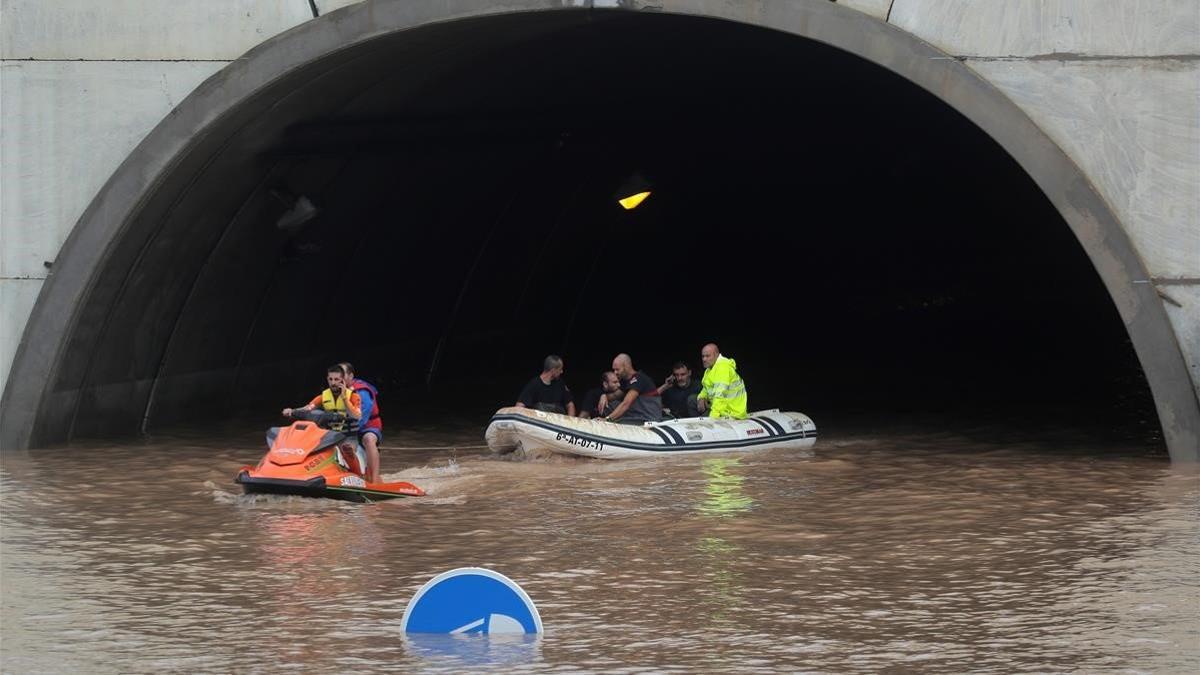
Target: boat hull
532 430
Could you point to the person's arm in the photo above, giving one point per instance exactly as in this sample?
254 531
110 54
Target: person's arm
368 404
353 404
287 412
525 395
702 397
667 382
568 401
630 397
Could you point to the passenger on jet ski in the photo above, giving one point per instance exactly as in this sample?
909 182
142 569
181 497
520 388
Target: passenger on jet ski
370 432
337 398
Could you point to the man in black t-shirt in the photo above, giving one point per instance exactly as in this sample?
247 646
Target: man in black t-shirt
642 402
547 391
609 389
679 392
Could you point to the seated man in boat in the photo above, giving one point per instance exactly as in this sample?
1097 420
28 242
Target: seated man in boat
370 432
547 392
337 398
642 402
679 393
722 389
602 400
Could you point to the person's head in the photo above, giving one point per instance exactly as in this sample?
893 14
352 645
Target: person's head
348 371
335 377
623 366
553 366
709 354
681 373
609 382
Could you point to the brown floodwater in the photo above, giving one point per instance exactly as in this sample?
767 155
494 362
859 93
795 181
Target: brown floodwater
908 551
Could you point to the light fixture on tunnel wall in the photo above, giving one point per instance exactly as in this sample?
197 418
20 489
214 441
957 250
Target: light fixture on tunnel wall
633 191
300 210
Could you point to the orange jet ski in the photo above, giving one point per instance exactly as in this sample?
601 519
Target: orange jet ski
317 457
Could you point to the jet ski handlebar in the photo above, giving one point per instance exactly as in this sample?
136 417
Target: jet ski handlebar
323 418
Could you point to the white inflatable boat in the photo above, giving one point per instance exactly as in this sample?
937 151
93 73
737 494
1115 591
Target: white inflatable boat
513 428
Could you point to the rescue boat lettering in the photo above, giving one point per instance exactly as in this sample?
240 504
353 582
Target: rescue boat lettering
580 442
289 451
353 481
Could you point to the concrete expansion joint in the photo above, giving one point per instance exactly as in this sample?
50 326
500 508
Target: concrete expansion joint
1169 281
1068 56
36 60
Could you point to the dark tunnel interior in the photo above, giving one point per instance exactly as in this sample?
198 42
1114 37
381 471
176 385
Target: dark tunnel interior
867 254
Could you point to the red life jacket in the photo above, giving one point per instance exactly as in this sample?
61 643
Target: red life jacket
373 422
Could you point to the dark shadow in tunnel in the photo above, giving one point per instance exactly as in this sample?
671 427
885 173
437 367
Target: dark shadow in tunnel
866 253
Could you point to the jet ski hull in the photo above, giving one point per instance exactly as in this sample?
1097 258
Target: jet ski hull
310 460
317 487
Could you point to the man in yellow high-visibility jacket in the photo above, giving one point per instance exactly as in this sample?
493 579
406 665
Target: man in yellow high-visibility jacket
722 388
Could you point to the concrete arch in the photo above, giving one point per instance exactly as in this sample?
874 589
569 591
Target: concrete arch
112 234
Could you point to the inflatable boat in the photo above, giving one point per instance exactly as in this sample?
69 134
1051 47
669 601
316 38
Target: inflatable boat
524 428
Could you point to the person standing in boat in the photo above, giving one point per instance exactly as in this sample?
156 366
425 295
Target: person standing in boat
602 400
722 392
370 431
642 402
679 393
547 392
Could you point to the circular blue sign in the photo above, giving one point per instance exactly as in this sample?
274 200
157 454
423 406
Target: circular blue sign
471 600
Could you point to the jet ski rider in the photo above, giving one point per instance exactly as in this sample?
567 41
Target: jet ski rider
370 432
337 398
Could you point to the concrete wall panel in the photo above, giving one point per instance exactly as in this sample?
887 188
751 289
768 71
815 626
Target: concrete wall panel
16 302
1183 307
327 6
67 126
876 8
1032 27
140 30
1131 125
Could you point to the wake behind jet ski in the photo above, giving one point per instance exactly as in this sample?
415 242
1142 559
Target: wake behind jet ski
317 456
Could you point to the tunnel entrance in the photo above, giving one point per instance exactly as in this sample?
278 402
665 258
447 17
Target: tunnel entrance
865 251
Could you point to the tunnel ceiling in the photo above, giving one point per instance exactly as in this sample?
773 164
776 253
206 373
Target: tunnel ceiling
855 243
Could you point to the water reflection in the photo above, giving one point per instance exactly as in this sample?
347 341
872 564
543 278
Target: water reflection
722 593
723 492
474 650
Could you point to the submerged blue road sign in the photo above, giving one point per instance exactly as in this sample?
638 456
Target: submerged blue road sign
471 600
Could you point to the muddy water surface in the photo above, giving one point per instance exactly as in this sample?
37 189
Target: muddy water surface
913 551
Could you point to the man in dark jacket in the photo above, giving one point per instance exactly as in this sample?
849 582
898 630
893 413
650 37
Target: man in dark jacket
547 392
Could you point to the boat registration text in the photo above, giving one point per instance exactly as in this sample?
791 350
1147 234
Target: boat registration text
577 441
